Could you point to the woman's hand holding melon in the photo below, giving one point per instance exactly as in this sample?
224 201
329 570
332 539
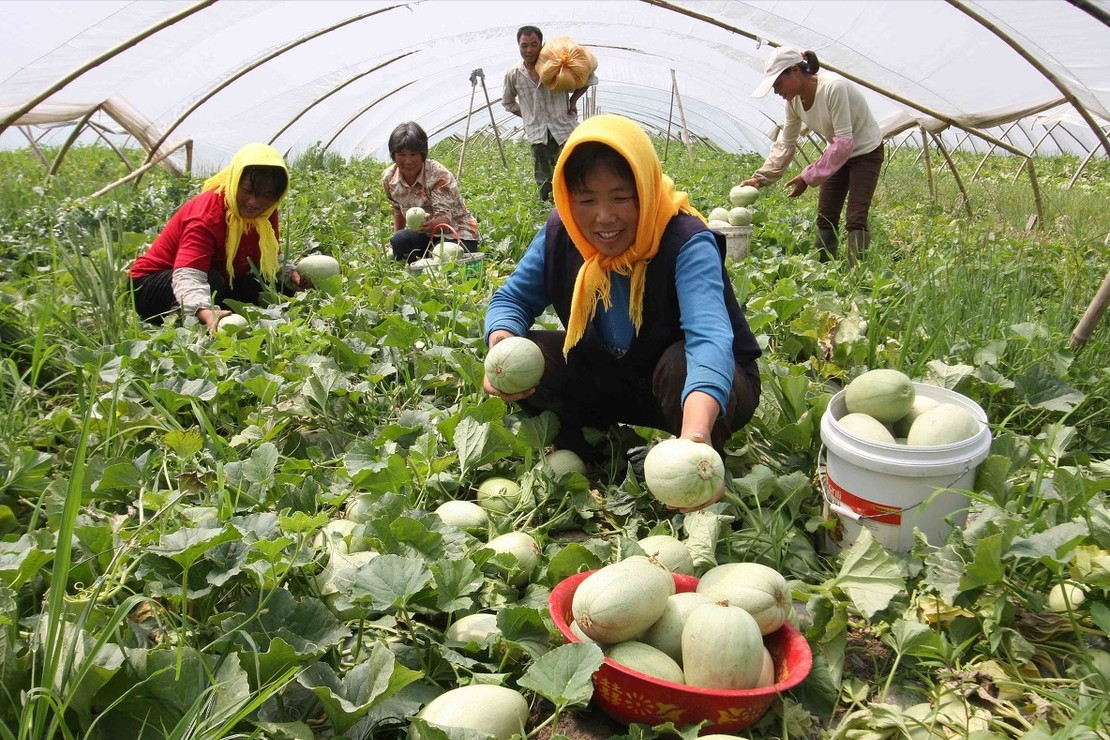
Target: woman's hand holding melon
211 317
494 338
698 414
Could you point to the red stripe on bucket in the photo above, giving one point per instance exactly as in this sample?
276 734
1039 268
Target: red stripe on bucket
882 513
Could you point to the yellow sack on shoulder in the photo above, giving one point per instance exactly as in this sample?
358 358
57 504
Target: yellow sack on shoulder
564 66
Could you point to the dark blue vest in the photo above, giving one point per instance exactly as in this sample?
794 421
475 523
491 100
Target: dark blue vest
661 327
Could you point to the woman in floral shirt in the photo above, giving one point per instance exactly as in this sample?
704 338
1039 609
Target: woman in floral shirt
414 180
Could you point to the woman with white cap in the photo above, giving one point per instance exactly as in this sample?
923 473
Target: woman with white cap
850 165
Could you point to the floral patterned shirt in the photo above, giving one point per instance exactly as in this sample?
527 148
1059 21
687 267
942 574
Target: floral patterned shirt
436 191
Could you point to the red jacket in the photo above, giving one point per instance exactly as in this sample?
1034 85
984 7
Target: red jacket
194 237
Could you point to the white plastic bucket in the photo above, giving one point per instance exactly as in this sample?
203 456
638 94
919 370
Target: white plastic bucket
736 241
893 489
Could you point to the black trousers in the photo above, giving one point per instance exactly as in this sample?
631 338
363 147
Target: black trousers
597 390
154 298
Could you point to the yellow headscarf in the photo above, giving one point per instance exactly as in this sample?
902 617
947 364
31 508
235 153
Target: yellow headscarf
227 180
658 200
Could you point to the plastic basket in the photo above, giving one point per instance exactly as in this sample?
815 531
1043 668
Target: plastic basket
630 696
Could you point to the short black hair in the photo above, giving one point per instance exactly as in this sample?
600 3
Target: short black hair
526 30
410 136
266 177
590 156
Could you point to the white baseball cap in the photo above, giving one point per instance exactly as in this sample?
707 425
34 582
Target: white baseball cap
781 59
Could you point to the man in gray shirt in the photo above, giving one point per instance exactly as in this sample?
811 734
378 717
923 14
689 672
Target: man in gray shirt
548 116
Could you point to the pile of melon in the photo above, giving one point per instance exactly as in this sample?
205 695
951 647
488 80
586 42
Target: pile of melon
710 638
883 406
740 213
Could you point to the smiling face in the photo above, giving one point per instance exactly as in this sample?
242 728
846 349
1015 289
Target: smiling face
409 164
258 191
607 210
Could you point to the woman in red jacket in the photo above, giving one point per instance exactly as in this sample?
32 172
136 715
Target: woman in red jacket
215 245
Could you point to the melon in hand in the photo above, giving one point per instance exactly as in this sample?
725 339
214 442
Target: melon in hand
514 365
682 473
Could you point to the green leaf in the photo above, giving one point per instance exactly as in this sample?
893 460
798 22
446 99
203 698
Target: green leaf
870 576
119 476
1053 544
912 638
564 675
470 440
525 628
262 463
348 699
186 546
945 375
22 560
456 582
574 558
390 582
538 431
185 442
985 567
1041 389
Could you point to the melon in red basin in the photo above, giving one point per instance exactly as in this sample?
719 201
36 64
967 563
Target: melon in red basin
630 696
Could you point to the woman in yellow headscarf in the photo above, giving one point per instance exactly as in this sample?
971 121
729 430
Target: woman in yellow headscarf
206 251
654 334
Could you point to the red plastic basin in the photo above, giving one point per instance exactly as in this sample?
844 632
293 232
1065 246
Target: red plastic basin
630 696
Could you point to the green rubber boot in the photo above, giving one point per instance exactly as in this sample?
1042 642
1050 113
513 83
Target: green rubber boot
826 244
858 241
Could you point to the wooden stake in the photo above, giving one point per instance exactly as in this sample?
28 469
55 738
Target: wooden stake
466 129
682 117
1092 315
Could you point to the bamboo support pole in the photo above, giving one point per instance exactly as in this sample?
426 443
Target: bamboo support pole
928 164
122 157
211 92
466 129
358 113
990 150
35 147
77 129
670 120
682 116
493 122
870 86
333 91
187 143
1037 65
97 61
1091 316
1082 166
955 173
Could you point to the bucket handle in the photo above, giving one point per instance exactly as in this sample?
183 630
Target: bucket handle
839 509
